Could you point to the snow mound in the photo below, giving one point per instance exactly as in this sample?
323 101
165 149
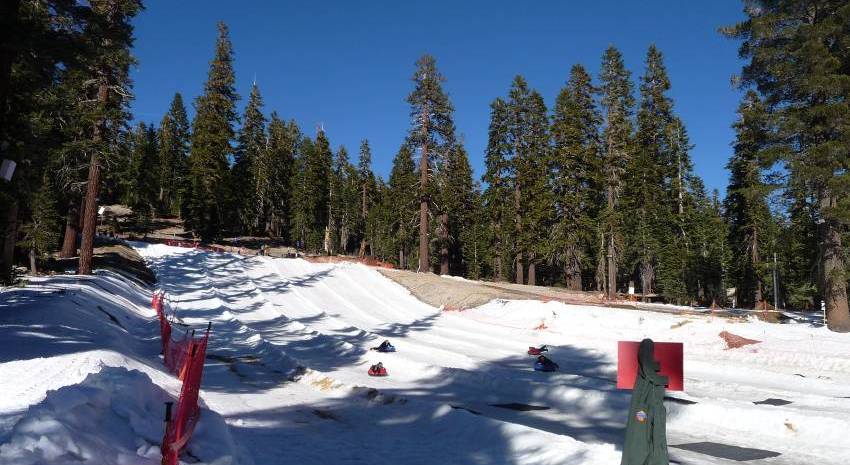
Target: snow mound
112 417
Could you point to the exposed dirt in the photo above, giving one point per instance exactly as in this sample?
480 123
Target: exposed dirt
112 256
460 294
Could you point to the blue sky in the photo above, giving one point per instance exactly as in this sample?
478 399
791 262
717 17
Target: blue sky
347 65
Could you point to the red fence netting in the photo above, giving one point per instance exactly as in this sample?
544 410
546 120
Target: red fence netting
184 358
178 430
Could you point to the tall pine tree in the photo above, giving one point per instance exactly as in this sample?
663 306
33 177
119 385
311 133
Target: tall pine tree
747 212
799 61
577 173
212 132
250 168
617 102
432 133
173 154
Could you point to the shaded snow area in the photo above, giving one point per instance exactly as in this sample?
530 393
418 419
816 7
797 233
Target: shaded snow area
81 377
290 350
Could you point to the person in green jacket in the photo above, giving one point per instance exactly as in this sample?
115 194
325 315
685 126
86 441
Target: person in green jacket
646 430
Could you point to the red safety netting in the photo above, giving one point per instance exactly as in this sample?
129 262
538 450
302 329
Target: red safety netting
179 429
174 352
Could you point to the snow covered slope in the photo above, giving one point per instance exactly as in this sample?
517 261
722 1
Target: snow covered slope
81 377
290 351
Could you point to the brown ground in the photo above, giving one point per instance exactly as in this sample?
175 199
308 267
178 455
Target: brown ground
458 294
114 257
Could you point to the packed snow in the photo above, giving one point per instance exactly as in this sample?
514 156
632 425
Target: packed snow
286 377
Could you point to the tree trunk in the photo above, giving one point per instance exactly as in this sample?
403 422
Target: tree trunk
8 234
601 281
89 223
33 268
612 268
69 244
754 263
647 275
424 245
443 234
532 272
519 278
572 269
833 279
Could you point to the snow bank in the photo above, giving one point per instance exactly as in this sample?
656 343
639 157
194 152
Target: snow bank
112 417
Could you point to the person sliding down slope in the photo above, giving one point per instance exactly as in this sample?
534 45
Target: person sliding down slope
544 364
377 370
385 347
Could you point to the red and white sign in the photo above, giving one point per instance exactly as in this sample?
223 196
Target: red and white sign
668 354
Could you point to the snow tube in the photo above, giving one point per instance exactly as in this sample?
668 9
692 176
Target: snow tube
537 350
544 364
539 366
377 370
386 348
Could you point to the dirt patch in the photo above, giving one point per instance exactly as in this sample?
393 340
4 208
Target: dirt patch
109 255
733 341
459 294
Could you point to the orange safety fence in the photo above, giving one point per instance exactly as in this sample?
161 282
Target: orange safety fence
184 358
179 428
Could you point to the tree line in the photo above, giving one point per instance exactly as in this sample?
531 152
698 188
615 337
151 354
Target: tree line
595 193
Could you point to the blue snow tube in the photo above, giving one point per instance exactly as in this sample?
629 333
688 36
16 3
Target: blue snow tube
548 365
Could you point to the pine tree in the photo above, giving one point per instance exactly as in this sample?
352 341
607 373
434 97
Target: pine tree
212 131
140 178
617 101
647 181
798 60
111 30
747 212
250 167
400 202
346 200
318 169
432 133
525 147
283 141
367 194
456 203
300 200
41 233
577 172
496 198
538 201
173 151
43 43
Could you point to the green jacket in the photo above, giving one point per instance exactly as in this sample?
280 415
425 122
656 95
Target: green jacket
646 430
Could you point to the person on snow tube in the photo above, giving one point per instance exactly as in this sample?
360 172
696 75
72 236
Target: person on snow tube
385 347
544 364
537 350
377 370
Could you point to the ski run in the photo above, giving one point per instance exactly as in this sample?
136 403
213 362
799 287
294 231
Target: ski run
286 376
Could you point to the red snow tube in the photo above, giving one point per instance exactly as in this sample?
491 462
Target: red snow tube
377 370
537 350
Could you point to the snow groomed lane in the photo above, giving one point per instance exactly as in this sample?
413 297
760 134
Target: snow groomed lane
276 315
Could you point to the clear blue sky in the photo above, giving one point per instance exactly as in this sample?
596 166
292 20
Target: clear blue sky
348 64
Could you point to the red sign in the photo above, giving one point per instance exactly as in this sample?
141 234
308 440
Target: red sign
667 354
